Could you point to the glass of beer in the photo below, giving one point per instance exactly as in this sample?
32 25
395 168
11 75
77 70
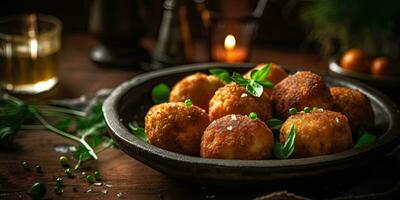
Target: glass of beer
29 45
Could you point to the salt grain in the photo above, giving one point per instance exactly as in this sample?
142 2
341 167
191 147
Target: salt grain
210 196
229 128
234 117
83 173
337 120
243 95
119 195
97 184
89 190
108 185
104 191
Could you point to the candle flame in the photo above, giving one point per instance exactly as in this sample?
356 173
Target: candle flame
230 42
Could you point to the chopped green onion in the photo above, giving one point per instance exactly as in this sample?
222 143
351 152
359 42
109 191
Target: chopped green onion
253 115
59 181
292 111
188 102
138 131
160 93
37 191
307 109
315 109
97 176
58 190
70 173
89 179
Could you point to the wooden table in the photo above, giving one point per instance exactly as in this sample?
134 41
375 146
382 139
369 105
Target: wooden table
79 76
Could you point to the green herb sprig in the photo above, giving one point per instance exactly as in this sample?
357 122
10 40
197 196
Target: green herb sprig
222 74
257 82
89 132
138 131
284 151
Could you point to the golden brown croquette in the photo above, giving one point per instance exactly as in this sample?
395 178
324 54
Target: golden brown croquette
237 137
234 99
176 127
303 89
355 105
198 87
318 133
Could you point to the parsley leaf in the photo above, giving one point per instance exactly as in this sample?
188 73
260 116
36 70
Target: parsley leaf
222 74
160 93
138 131
284 151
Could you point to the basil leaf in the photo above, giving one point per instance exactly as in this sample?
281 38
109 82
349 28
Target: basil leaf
222 74
274 124
284 151
160 93
261 74
254 88
239 79
365 139
138 131
266 83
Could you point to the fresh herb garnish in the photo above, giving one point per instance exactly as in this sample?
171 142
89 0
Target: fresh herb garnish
307 109
69 172
160 93
292 111
58 190
253 115
89 178
37 191
97 176
274 124
138 131
59 181
315 109
222 74
188 102
365 138
284 151
257 82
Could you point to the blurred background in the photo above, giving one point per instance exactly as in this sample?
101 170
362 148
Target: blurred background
358 39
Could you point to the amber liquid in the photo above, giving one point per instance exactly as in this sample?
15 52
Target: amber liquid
24 71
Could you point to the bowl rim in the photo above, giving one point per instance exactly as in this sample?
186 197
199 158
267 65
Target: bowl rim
117 128
334 67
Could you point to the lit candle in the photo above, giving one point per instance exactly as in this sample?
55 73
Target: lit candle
230 52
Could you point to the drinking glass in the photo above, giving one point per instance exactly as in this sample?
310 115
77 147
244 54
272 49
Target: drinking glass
29 46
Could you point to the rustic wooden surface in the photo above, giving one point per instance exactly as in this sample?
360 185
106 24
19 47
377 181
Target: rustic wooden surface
79 76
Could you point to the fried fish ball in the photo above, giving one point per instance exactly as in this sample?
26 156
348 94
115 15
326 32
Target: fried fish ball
176 127
234 99
198 87
303 89
276 72
318 133
237 137
355 105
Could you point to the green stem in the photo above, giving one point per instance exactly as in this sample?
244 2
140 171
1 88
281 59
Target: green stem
64 134
62 110
30 127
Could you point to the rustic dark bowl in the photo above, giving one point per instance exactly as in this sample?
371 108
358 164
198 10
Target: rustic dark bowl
131 100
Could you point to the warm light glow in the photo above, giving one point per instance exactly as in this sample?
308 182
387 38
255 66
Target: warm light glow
230 42
33 46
